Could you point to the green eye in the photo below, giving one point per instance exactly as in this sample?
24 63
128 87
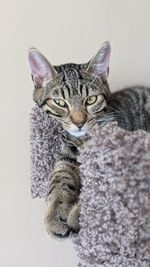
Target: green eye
91 100
60 102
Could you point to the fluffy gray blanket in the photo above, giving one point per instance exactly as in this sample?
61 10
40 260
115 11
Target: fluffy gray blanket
115 197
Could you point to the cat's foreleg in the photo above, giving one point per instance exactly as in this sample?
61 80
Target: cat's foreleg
62 211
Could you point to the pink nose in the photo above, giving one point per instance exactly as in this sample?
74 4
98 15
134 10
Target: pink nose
78 118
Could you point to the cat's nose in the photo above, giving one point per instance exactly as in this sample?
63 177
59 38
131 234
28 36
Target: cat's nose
80 124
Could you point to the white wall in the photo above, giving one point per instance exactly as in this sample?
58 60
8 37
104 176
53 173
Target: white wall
65 30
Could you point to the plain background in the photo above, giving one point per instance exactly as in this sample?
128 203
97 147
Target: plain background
65 31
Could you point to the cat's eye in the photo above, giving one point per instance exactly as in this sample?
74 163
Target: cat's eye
60 103
91 100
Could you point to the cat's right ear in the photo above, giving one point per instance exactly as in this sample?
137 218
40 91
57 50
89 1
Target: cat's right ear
41 70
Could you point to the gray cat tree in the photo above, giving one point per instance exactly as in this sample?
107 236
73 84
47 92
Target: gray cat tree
115 197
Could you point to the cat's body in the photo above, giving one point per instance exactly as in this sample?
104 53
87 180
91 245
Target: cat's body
78 96
130 107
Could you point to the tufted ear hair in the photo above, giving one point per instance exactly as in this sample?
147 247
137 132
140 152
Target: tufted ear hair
41 69
99 64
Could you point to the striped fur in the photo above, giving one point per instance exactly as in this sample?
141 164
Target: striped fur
73 84
64 188
130 108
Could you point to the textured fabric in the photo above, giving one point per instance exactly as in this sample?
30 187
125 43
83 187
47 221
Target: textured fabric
115 197
45 143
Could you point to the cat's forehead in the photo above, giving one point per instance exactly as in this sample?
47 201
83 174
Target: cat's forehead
71 73
70 67
73 80
74 77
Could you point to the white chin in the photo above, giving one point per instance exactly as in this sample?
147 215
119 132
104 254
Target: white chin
77 133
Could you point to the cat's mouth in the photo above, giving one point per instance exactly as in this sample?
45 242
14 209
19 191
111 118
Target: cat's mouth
77 133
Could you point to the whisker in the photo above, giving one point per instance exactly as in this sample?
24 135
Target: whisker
108 117
116 110
64 122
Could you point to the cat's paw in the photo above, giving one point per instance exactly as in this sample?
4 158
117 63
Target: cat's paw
62 214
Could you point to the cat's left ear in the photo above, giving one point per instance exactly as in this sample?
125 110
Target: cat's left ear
99 64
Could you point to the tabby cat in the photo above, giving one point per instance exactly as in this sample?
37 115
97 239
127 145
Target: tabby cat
78 96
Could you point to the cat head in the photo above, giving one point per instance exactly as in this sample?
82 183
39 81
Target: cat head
75 94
